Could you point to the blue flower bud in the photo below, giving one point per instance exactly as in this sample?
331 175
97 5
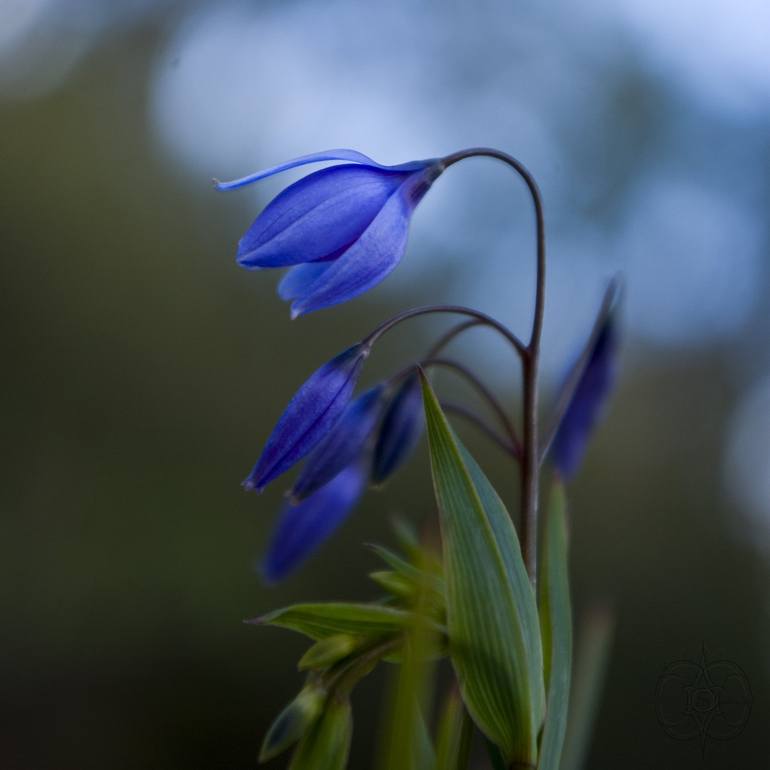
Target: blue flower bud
302 527
401 429
585 407
342 446
311 414
344 227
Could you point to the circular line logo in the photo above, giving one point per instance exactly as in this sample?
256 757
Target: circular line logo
703 700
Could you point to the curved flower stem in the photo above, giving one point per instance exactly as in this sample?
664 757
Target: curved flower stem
530 465
484 392
449 335
482 318
512 445
468 414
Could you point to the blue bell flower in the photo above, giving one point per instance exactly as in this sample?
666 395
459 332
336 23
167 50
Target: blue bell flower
400 431
589 398
343 228
343 445
310 416
304 526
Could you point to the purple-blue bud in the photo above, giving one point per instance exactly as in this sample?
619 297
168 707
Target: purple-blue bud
310 416
344 227
400 431
342 446
589 398
302 527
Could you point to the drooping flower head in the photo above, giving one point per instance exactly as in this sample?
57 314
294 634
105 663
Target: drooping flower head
310 416
333 479
344 444
588 400
303 526
341 230
400 431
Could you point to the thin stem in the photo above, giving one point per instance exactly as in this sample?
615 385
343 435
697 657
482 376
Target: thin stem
484 392
483 318
487 430
512 445
530 465
448 336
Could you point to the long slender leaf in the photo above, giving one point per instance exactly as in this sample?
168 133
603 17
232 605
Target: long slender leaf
492 622
407 744
556 628
425 574
455 731
407 536
321 620
424 753
393 560
521 588
593 649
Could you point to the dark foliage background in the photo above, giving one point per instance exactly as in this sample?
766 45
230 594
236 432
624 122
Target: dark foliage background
142 369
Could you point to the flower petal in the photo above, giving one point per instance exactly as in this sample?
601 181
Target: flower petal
299 278
303 527
311 414
343 445
400 431
367 262
315 157
589 398
319 215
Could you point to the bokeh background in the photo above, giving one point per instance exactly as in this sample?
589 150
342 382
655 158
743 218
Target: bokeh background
142 369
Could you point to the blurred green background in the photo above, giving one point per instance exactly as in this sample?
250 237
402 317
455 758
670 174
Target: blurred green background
142 369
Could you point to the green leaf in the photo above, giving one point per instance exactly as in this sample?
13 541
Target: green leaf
519 583
556 627
407 744
424 753
428 571
327 745
394 583
326 652
492 621
495 757
292 723
319 621
426 575
455 732
406 535
593 649
393 560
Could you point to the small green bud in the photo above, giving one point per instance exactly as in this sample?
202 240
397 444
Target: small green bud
395 584
327 652
293 722
327 745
